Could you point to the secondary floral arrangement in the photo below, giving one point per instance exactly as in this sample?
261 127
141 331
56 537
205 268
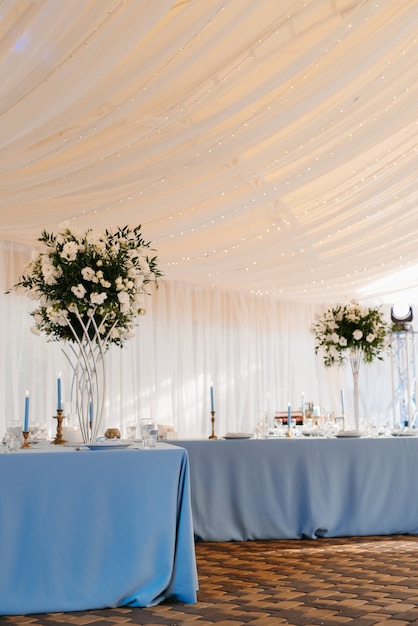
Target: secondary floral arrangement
349 330
93 281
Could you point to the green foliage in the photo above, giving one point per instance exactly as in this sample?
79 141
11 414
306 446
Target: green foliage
89 280
345 330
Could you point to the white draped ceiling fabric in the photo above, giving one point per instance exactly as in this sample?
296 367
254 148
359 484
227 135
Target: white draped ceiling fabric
269 150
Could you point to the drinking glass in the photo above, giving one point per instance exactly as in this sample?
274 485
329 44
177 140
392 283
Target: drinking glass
262 428
149 432
13 436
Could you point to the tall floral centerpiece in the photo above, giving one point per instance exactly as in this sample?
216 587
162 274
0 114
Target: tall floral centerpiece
90 287
354 332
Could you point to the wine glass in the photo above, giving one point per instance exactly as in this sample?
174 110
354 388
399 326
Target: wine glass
13 436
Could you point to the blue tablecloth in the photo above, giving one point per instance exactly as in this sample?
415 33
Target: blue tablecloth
92 529
302 487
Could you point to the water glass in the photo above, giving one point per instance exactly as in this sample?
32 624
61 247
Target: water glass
149 432
150 440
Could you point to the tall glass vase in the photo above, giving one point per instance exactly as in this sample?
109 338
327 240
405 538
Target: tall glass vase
86 356
355 360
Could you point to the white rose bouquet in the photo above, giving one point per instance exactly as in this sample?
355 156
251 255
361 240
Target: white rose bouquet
93 281
349 330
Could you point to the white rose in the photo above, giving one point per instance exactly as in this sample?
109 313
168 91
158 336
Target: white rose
69 251
100 246
35 330
357 334
98 298
79 291
123 297
49 273
87 273
335 338
343 341
53 316
93 238
370 338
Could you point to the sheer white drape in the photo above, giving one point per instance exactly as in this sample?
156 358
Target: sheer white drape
266 146
258 352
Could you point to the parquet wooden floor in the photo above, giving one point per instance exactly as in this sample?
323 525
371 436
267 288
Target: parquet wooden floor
358 581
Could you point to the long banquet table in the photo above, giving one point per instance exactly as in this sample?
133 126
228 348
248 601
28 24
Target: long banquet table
93 529
303 487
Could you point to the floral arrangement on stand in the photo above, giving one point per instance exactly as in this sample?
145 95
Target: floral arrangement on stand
90 287
80 276
351 331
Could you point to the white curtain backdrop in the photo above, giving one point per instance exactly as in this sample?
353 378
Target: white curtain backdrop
258 352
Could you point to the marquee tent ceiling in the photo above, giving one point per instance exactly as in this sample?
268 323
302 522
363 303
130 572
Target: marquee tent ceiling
266 146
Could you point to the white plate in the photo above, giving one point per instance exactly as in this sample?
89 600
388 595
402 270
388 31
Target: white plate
107 445
238 436
348 433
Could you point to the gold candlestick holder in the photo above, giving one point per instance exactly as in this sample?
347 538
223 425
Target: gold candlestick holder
25 443
289 431
59 439
212 419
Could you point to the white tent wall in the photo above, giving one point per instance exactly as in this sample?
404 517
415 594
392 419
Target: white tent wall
258 352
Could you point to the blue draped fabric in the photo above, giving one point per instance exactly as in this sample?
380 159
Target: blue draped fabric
301 487
86 530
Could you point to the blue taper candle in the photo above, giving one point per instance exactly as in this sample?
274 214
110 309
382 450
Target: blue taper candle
26 422
212 404
59 403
